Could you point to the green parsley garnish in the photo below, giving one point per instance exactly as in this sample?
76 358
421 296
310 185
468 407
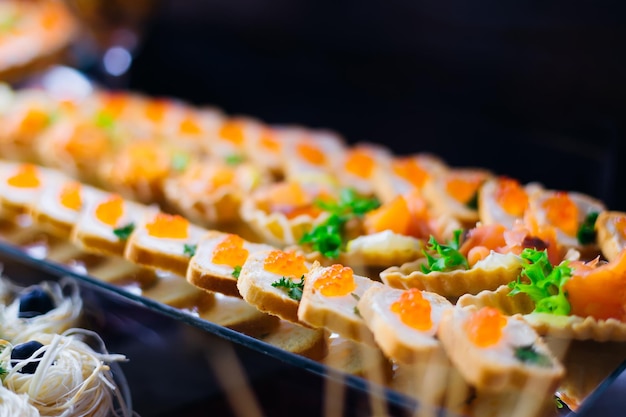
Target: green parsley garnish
444 258
328 237
356 311
543 282
180 161
234 159
528 354
559 403
124 232
294 289
587 232
236 272
189 250
105 121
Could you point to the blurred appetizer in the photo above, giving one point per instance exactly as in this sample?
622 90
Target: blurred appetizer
312 153
360 164
455 193
503 200
611 233
210 191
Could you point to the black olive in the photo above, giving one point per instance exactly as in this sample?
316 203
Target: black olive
35 303
25 351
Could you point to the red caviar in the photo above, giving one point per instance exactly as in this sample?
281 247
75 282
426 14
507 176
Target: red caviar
111 210
360 163
485 327
27 176
168 226
336 280
70 196
413 309
34 121
287 264
230 251
232 131
410 170
511 196
462 189
311 153
562 212
269 142
189 126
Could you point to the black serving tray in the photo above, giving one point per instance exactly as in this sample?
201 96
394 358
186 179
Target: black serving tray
182 365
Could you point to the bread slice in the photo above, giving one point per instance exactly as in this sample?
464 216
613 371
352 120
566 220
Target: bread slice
519 360
20 186
92 234
204 273
255 286
235 314
304 341
170 251
336 313
169 289
358 359
398 340
58 206
610 235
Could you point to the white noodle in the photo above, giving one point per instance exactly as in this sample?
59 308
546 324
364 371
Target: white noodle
69 305
71 380
12 404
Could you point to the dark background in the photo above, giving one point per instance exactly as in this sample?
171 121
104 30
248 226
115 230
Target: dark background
529 89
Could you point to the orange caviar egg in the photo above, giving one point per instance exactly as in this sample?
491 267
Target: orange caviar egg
410 170
27 176
230 251
34 121
620 226
511 196
413 310
394 216
168 226
222 176
269 142
336 280
311 153
462 189
189 126
599 292
70 196
111 210
114 104
562 212
360 163
287 264
156 109
484 327
288 194
51 16
232 131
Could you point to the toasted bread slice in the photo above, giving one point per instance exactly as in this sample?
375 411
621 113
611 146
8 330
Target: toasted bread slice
236 314
163 241
171 290
398 340
106 223
311 343
261 288
20 186
330 298
204 273
58 207
517 359
610 235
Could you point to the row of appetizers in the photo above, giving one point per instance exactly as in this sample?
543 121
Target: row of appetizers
407 325
50 366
